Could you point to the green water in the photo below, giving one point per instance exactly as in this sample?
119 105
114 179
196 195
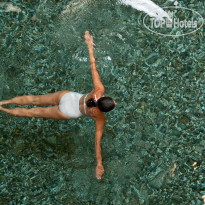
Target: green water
159 122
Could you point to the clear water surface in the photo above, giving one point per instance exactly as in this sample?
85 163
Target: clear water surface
150 141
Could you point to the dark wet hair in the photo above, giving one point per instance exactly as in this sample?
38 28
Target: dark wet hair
91 103
105 104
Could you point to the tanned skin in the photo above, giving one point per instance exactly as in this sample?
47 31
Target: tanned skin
54 99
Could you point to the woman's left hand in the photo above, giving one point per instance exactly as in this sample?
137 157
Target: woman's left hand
99 171
88 39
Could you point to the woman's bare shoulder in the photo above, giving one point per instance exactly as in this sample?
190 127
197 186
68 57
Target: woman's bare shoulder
96 94
96 114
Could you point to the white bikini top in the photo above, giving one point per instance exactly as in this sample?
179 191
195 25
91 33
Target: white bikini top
85 104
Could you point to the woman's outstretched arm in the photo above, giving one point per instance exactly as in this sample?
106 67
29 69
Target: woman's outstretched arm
99 125
95 76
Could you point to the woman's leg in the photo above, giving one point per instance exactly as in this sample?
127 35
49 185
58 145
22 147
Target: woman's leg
47 99
45 112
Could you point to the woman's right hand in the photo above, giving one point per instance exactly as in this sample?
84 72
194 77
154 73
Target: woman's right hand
99 171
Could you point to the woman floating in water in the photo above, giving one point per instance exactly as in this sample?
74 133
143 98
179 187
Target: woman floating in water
69 105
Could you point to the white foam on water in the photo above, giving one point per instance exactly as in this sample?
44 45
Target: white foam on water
108 58
10 7
148 7
75 6
175 3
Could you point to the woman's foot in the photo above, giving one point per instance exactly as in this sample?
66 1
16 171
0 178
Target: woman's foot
2 103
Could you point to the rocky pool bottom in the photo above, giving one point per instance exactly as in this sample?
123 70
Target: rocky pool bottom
153 144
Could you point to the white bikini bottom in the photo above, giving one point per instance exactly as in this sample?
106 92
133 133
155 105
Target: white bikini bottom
69 105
